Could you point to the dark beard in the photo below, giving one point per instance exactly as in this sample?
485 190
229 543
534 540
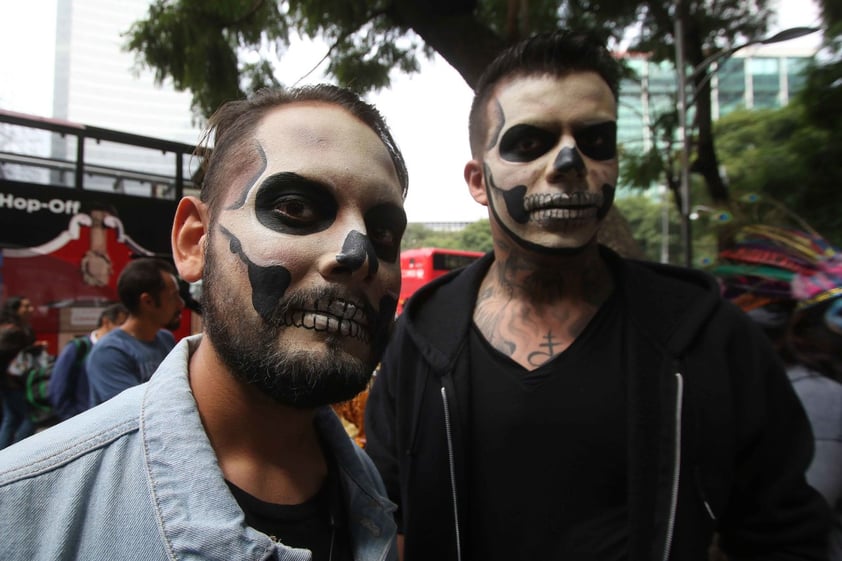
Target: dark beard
250 349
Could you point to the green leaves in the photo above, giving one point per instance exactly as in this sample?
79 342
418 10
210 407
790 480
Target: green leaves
476 236
197 44
200 44
365 60
780 154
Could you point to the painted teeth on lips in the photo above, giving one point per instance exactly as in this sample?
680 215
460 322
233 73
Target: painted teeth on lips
335 316
342 309
540 201
544 214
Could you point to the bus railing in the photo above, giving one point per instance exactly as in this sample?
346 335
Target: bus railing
173 184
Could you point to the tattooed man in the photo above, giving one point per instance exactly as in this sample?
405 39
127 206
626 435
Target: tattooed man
555 401
231 450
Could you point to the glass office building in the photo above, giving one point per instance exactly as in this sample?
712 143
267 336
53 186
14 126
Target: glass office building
762 78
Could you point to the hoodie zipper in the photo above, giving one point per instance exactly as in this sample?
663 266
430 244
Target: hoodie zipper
452 465
679 392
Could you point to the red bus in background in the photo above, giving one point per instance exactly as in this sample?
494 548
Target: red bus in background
68 227
420 266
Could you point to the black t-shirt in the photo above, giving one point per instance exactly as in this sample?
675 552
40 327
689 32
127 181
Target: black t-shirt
317 524
548 450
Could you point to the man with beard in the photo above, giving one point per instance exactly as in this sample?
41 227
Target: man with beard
556 401
127 356
231 450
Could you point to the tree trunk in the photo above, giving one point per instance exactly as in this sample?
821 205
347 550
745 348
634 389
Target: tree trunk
707 163
454 33
617 234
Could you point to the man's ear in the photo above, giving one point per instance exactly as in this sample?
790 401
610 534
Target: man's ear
475 179
189 235
146 301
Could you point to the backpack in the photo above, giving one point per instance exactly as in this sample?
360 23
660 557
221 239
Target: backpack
36 380
29 371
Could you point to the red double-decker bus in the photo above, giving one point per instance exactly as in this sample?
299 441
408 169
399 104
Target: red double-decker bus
420 266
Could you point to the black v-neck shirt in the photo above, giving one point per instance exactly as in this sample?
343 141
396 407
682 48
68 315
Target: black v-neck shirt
548 450
318 524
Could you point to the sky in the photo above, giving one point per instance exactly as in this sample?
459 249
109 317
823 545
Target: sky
426 111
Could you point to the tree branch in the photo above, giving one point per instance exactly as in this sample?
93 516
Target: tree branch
205 15
255 7
342 37
450 33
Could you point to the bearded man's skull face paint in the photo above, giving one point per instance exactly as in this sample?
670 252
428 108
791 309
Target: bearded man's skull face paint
550 165
302 271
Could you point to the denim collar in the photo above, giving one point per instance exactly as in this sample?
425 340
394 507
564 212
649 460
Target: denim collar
196 513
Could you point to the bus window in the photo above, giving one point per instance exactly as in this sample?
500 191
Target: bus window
420 266
449 261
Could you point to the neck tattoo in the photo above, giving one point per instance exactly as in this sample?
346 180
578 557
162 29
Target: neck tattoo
538 358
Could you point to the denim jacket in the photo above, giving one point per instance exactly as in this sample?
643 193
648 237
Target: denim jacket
137 478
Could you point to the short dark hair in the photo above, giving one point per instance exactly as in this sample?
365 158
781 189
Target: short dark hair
112 313
139 276
9 313
555 53
235 120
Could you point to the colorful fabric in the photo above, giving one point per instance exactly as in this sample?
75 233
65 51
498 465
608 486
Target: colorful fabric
821 285
768 264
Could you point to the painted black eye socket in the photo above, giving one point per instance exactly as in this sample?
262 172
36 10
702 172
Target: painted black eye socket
291 204
385 225
296 211
383 236
598 142
524 143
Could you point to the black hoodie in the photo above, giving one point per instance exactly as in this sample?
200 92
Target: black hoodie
718 440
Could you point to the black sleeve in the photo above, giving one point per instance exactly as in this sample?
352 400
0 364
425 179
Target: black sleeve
381 423
773 513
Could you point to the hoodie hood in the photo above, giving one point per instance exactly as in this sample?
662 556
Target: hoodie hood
667 304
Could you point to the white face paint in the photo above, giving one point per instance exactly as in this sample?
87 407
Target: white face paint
308 250
550 168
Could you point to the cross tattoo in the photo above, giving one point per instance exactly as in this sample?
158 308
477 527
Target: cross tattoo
540 357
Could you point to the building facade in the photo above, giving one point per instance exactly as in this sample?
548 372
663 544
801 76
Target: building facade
92 86
754 78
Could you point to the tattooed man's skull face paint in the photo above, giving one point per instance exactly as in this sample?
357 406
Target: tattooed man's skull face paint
302 272
550 166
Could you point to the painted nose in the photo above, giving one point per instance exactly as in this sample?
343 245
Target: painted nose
568 160
358 255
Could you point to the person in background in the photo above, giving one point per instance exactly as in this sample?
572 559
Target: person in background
128 355
556 401
789 281
68 388
231 450
16 339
